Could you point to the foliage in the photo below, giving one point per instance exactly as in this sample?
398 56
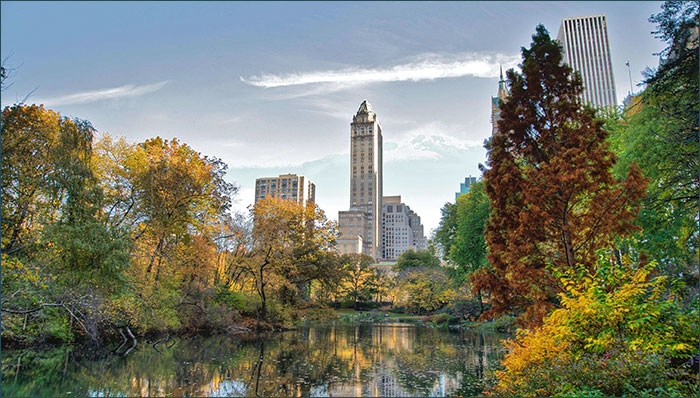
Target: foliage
286 250
413 259
468 251
445 232
554 201
362 280
423 289
659 132
621 333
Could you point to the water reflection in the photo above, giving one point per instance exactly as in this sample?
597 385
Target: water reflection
344 360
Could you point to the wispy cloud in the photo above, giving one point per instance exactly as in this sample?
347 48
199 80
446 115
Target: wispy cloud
129 90
431 141
424 67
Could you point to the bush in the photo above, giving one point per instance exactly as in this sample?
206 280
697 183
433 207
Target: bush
246 304
466 308
443 319
620 334
504 323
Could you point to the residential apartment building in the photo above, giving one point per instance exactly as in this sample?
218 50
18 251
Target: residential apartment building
402 229
365 186
587 51
286 186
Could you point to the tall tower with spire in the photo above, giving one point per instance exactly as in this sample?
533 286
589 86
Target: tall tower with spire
503 93
361 226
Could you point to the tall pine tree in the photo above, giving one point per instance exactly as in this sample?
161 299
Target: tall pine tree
554 201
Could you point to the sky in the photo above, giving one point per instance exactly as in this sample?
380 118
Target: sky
270 88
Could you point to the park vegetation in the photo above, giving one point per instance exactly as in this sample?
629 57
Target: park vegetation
588 231
583 230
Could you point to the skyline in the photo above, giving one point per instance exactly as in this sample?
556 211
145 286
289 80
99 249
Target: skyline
255 73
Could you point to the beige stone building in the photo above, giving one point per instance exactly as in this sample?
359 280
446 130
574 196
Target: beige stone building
361 226
286 186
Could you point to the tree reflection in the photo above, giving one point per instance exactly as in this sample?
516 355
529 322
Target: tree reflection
346 360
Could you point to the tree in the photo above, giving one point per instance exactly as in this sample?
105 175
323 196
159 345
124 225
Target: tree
468 252
285 249
659 132
554 201
423 289
361 278
30 194
415 259
444 234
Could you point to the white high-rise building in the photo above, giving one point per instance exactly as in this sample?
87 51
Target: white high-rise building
587 51
402 229
361 226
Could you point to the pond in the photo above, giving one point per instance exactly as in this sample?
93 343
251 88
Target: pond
382 359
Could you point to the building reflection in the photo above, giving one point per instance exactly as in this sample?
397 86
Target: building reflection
397 360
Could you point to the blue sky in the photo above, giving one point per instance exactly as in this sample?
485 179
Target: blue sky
271 88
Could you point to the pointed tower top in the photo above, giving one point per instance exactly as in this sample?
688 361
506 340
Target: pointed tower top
502 87
365 107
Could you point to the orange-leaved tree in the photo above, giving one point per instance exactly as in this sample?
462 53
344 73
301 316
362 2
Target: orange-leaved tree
554 201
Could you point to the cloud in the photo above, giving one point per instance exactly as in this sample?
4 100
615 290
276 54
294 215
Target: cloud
428 142
128 90
424 67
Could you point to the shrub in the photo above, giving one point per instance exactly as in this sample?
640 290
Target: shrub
621 333
504 323
246 304
443 319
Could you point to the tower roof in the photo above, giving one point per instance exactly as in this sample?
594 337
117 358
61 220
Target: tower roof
365 107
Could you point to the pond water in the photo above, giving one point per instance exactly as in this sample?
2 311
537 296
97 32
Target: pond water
383 359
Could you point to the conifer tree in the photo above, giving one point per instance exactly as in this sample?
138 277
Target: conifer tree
555 202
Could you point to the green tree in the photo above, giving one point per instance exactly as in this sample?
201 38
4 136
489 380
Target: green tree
468 251
659 132
444 234
415 259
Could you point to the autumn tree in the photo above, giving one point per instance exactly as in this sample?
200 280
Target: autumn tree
361 280
286 249
554 200
423 289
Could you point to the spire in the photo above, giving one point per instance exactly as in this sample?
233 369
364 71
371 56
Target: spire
502 87
365 107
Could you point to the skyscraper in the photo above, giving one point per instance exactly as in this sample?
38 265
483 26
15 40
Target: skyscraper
587 51
287 186
361 226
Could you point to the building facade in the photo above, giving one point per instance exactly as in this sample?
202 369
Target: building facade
287 186
365 186
402 229
587 51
